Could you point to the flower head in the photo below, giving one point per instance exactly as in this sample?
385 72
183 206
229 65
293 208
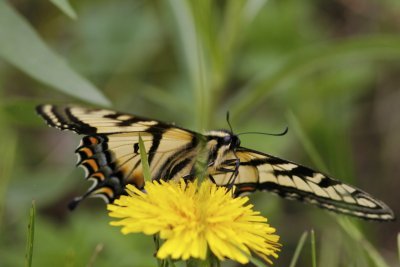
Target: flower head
193 218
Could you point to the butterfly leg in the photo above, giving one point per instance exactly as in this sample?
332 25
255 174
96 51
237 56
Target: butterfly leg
189 177
235 172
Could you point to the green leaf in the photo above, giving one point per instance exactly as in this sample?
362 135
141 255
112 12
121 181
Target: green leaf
299 247
30 236
22 47
65 7
144 160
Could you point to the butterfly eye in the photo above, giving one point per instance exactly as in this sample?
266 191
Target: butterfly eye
227 139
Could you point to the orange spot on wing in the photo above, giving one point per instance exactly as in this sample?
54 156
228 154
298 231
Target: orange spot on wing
99 176
104 190
247 189
88 152
93 140
137 178
92 163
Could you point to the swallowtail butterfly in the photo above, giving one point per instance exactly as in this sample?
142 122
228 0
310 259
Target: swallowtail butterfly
109 154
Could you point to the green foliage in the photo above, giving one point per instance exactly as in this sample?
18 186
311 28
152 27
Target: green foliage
313 249
21 46
30 236
398 246
356 235
299 247
144 160
65 7
188 62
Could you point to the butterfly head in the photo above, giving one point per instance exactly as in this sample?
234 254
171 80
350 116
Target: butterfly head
224 138
231 140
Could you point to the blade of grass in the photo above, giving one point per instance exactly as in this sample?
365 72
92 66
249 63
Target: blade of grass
299 248
398 245
313 249
193 53
30 236
348 227
305 141
329 252
359 238
99 247
65 7
21 46
307 60
252 8
8 146
232 28
144 160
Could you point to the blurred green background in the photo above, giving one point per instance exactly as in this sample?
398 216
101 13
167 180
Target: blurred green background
330 70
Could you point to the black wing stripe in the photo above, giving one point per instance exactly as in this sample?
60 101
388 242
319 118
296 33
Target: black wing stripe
157 135
169 163
50 115
78 125
179 166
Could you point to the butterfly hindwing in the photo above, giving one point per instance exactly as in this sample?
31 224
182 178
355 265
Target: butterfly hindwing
259 171
109 153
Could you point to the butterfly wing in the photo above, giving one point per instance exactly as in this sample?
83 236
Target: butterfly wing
259 171
109 151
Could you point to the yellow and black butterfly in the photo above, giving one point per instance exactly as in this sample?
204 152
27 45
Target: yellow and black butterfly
109 153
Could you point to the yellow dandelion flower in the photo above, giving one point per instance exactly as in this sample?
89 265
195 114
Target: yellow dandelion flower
193 218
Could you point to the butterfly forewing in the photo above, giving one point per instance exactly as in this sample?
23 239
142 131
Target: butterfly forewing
109 153
90 121
259 171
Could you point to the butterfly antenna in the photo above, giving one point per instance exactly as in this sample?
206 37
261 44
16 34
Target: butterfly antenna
227 120
271 134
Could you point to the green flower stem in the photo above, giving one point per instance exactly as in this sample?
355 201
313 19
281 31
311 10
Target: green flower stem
199 263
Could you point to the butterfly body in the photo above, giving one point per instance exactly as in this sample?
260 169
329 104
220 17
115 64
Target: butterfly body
110 155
